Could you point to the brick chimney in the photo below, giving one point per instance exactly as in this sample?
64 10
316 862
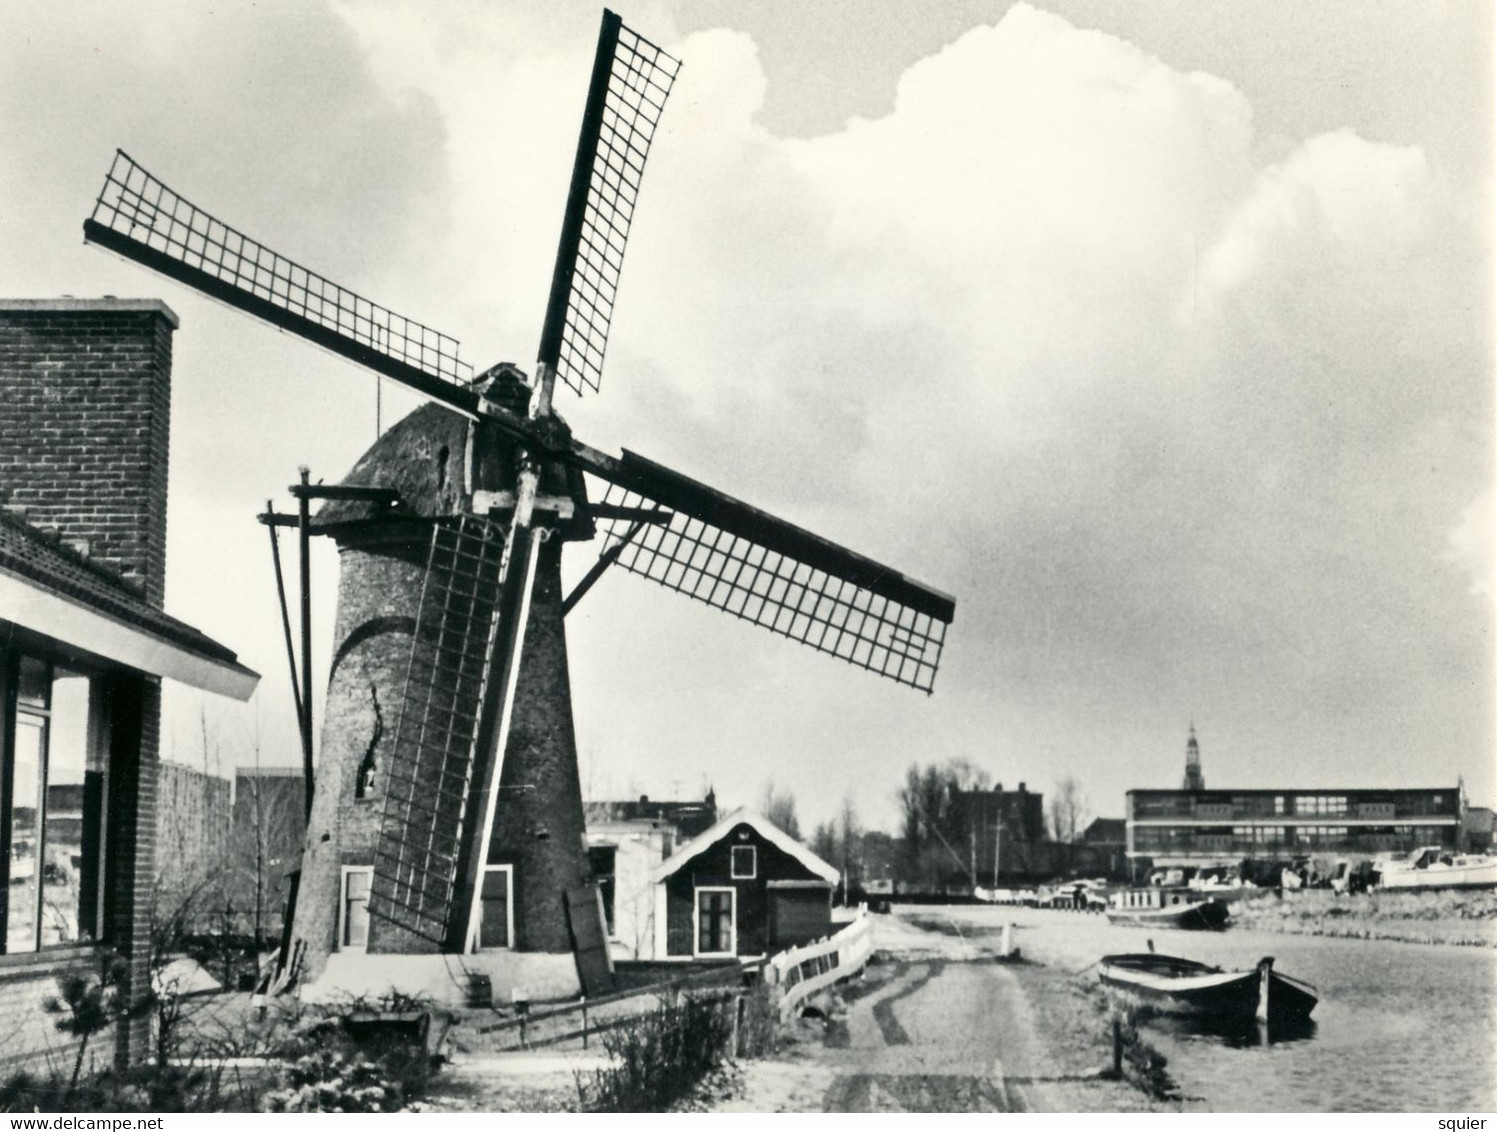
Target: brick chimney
85 421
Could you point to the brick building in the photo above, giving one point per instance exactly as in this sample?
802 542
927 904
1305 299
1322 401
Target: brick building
1225 827
85 399
1200 827
999 834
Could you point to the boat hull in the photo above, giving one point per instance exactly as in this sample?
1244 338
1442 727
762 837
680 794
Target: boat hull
1480 873
1203 915
1182 986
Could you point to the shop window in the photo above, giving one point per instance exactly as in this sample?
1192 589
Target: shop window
54 808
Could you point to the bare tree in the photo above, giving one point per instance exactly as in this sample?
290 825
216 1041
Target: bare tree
967 775
849 837
929 822
824 841
1068 810
779 807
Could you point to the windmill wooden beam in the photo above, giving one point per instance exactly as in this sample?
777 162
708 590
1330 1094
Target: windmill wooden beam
228 286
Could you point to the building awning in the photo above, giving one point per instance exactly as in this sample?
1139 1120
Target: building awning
50 590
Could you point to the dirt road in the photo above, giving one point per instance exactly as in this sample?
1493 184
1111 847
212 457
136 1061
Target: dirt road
940 1026
938 1037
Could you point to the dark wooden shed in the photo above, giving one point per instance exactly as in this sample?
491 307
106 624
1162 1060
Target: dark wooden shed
742 888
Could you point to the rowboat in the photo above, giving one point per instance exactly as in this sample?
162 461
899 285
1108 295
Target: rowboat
1166 908
1187 987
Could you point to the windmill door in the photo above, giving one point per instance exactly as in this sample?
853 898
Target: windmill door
590 941
496 924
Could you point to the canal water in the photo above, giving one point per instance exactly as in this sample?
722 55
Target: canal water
1400 1027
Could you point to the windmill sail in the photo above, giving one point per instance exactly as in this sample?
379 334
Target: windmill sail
141 218
432 766
631 80
737 558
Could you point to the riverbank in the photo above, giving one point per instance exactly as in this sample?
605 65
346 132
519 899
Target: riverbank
1452 918
1381 1031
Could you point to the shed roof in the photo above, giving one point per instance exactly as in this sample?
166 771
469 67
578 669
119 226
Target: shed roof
763 827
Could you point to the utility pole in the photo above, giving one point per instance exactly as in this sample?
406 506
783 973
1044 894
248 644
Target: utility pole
972 850
997 839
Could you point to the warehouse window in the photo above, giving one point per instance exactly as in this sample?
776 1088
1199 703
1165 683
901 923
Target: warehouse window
53 811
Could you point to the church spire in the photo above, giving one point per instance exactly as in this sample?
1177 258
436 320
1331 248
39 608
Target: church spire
1193 778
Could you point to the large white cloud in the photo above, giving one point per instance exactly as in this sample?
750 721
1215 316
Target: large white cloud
1185 433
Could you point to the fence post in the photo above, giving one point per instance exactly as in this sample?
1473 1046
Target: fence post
1117 1048
584 1021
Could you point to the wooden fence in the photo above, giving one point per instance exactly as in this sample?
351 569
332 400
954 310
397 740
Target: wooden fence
802 971
559 1023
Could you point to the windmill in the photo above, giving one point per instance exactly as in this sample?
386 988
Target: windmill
522 485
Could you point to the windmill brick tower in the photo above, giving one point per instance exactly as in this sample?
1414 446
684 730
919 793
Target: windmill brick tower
446 837
434 459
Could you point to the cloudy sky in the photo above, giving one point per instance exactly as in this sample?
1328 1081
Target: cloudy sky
1158 334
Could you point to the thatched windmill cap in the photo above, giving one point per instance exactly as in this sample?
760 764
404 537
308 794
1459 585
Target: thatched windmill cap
430 457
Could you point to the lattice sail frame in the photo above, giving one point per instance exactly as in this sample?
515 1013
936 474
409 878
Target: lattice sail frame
431 767
774 589
136 205
632 78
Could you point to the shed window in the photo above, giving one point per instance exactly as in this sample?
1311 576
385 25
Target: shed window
715 929
53 812
745 864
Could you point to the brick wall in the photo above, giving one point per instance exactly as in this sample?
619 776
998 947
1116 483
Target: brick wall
191 823
538 824
134 759
85 415
379 587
